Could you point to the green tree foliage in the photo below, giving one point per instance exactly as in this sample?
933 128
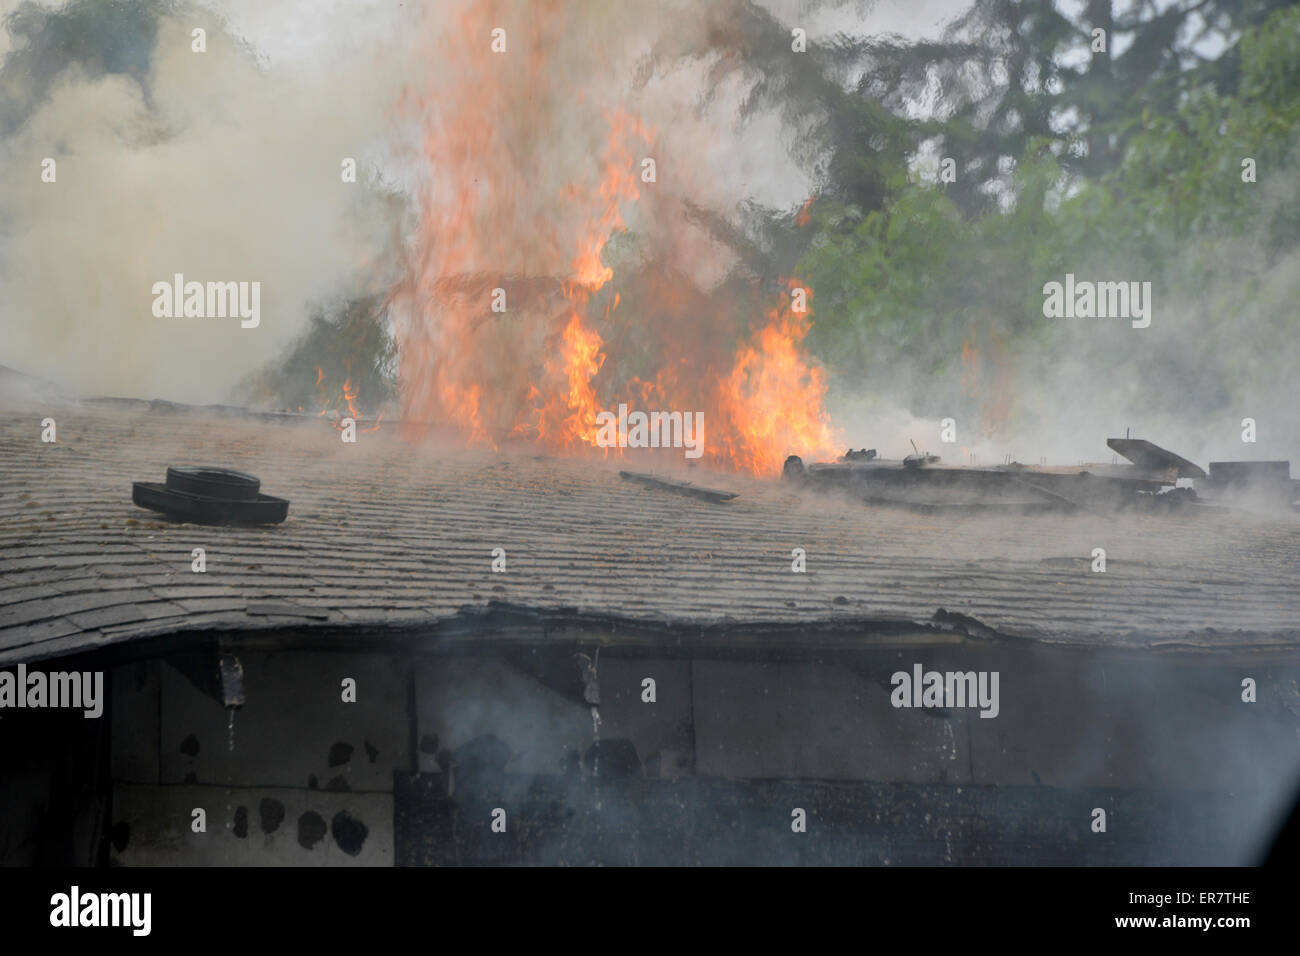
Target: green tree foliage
346 344
1007 73
902 289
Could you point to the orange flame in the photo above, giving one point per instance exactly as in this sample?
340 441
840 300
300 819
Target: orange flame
772 401
803 217
348 398
516 217
985 379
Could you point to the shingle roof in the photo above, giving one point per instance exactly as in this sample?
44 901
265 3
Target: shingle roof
398 532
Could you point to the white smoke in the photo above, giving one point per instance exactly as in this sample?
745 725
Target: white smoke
225 166
222 165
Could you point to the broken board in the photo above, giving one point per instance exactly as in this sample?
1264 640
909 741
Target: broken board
678 487
1154 458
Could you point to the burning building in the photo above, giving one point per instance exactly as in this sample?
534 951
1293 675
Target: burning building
467 593
451 655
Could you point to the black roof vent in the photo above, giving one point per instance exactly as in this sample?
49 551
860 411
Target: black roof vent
207 495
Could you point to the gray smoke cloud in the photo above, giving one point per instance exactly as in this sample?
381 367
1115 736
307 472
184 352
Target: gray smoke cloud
222 165
225 165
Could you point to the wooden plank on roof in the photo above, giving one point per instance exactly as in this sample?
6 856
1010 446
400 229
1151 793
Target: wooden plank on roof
678 487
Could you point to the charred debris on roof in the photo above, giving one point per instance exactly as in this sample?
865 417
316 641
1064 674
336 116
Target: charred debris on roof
1151 482
677 487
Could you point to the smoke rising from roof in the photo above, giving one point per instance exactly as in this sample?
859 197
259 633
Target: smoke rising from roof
224 166
217 165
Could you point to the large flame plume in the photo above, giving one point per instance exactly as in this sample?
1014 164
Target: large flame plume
533 161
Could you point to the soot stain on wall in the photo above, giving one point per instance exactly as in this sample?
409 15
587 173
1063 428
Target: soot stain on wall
311 829
272 814
349 832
